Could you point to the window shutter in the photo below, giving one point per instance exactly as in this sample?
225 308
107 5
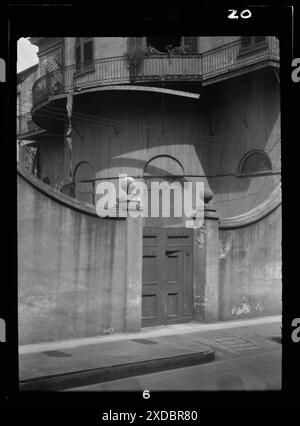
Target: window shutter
88 53
192 42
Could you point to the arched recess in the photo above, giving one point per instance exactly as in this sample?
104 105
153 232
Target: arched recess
84 191
163 165
255 161
159 169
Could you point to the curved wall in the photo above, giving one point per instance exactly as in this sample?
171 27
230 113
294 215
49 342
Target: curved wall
245 116
72 267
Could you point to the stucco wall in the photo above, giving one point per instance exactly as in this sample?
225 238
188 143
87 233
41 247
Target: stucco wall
145 125
52 159
104 47
24 99
50 48
250 269
207 43
71 270
245 116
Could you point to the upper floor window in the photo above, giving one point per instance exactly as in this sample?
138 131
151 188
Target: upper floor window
84 53
255 162
249 43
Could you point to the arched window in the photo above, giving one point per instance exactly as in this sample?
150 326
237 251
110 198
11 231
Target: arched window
163 165
84 191
255 162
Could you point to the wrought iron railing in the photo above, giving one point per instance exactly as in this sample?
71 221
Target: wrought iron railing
234 55
28 157
157 67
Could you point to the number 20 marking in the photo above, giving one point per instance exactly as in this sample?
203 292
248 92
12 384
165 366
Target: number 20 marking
245 14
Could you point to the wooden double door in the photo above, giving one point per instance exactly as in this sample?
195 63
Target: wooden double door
167 284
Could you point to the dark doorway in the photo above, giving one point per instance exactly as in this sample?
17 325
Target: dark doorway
162 43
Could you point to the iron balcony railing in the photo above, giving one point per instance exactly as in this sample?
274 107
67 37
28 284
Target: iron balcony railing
159 67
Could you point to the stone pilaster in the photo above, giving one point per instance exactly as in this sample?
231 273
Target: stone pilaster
206 268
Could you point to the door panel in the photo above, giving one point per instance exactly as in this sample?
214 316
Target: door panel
151 287
174 279
167 289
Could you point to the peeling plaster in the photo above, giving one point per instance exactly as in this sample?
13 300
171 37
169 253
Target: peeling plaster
224 247
201 238
199 302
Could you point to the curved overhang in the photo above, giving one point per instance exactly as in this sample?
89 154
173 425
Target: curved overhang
126 88
151 89
255 214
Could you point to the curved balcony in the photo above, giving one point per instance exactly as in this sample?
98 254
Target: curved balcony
232 57
26 128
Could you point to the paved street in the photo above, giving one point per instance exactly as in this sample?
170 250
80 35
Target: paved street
246 358
251 372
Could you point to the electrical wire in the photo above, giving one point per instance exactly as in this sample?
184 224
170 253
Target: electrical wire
49 112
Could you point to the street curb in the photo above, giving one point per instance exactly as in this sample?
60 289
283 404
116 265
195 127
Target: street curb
74 379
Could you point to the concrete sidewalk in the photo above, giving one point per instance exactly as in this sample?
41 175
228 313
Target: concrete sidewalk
62 365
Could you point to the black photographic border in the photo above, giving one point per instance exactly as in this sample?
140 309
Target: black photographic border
108 18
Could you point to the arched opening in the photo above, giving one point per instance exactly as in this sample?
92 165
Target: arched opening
83 188
167 284
165 205
255 162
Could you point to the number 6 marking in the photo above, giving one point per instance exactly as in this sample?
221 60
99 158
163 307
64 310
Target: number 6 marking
146 394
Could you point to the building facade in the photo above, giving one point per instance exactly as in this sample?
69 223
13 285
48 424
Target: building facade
26 148
173 109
